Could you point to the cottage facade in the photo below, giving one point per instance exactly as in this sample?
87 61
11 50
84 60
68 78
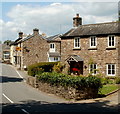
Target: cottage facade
93 48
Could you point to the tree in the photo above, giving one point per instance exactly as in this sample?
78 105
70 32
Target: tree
7 42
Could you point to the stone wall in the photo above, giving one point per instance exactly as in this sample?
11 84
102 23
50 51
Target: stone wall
101 55
65 92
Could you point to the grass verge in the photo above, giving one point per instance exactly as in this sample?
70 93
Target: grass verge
106 89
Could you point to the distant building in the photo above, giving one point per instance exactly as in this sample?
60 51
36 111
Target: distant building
6 53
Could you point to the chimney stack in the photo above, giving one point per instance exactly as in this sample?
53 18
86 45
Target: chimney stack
35 31
77 21
20 34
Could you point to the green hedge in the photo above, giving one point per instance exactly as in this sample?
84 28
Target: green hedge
72 81
38 68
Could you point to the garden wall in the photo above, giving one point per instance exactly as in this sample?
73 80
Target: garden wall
65 92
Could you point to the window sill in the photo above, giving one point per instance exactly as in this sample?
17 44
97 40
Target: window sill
92 48
110 48
110 75
76 48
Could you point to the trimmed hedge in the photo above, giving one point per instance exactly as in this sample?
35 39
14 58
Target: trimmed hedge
71 81
38 68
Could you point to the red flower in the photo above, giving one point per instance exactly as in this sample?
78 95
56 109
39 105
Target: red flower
75 69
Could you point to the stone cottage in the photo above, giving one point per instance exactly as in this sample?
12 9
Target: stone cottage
92 48
35 48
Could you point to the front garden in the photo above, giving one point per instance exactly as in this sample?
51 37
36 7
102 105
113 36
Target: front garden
47 77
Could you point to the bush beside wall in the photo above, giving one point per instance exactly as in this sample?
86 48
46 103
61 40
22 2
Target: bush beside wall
38 68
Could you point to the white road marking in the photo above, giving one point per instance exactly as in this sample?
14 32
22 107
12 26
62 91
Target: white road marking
13 102
25 111
7 98
19 74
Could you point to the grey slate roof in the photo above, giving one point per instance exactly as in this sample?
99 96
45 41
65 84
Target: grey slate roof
52 38
76 58
94 29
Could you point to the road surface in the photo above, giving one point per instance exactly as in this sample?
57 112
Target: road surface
18 97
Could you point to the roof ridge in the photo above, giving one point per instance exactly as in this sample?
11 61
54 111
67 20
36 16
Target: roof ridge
99 23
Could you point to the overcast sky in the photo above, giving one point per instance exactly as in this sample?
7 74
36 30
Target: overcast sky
51 18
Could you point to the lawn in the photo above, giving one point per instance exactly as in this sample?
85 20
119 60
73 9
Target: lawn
108 88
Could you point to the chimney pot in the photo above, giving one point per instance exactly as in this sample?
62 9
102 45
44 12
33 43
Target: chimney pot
20 34
35 31
77 21
77 15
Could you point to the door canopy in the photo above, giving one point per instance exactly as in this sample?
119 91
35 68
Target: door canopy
75 58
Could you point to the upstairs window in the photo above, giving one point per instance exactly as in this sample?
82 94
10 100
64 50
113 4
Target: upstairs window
93 69
93 41
52 47
77 42
111 41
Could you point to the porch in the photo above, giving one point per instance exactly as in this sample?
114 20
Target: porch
76 64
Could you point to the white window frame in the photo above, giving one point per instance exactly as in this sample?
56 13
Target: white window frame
94 46
52 48
78 43
94 69
56 59
53 59
111 70
111 41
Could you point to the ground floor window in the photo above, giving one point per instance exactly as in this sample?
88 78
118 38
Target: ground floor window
6 56
93 69
111 69
54 59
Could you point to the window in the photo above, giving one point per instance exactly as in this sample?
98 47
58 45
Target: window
6 56
93 69
52 47
76 42
55 58
93 41
111 69
111 41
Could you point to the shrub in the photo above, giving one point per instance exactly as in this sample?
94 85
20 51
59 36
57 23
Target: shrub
58 67
104 80
117 80
72 81
38 68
